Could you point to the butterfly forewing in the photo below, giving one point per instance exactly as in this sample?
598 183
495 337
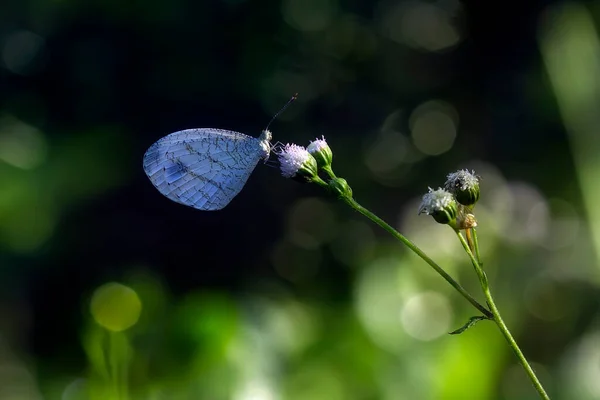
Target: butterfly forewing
202 168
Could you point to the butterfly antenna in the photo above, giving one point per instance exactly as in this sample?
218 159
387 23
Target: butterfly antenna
290 101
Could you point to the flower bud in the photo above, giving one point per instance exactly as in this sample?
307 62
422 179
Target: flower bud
465 220
464 185
321 151
297 163
441 205
340 187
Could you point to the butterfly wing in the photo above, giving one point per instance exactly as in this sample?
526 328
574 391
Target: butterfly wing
202 168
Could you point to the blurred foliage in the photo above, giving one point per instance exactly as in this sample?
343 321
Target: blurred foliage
286 294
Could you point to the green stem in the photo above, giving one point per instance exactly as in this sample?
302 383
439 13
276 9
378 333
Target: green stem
316 179
498 319
329 171
352 203
476 243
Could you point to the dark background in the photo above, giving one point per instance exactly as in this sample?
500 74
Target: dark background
87 87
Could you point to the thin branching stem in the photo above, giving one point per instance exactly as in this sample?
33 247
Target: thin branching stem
498 319
352 203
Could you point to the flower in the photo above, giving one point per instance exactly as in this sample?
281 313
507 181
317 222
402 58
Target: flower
441 205
321 151
464 185
296 162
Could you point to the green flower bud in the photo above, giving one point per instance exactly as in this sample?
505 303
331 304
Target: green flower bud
297 163
464 185
441 205
321 151
340 187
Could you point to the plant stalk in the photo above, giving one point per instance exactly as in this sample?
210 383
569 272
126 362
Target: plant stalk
352 203
498 319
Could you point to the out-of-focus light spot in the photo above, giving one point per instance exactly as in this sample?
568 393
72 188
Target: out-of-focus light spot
580 369
380 292
290 326
210 320
433 127
563 226
76 390
315 381
354 244
311 222
21 145
390 156
538 220
526 220
16 381
544 298
514 211
347 37
253 341
20 51
115 307
387 152
255 390
494 187
295 264
422 25
426 316
309 15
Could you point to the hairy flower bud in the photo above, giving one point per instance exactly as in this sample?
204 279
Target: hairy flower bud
297 163
441 205
321 151
464 185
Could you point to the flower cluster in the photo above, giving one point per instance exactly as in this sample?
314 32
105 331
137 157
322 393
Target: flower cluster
453 204
295 161
304 164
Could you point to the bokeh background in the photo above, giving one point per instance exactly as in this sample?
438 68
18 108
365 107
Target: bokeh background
286 293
